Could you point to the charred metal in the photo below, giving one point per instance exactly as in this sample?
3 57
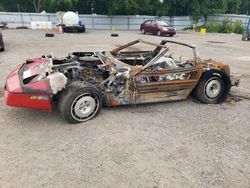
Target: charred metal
132 76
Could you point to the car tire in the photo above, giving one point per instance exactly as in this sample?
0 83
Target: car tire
158 33
49 35
81 30
80 102
213 87
2 47
114 35
171 35
143 31
1 44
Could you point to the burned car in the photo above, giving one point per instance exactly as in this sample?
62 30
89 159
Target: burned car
81 83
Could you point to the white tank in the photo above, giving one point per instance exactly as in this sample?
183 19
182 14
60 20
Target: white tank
70 19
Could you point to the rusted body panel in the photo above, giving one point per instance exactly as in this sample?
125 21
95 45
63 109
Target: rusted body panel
138 92
212 64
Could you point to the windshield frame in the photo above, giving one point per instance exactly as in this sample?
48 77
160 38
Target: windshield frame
111 55
159 22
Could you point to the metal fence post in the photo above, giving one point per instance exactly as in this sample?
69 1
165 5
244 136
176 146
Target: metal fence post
93 27
128 22
111 22
22 19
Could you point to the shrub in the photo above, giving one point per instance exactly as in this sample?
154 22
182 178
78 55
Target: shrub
238 27
227 26
213 27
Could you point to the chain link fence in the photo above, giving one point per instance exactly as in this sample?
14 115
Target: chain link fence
16 19
218 18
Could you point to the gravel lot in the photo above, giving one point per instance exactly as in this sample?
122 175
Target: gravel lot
177 144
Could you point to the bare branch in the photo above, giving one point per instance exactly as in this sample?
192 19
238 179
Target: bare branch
36 4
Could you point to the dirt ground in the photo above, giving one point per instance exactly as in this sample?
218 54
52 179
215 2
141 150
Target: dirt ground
177 144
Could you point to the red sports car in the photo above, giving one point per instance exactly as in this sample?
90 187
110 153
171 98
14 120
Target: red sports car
157 27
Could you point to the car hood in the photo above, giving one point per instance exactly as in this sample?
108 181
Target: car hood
20 79
167 27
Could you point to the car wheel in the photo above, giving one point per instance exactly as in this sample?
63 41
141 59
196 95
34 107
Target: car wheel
143 31
80 102
158 33
2 48
49 35
1 45
244 37
213 87
81 30
114 35
171 35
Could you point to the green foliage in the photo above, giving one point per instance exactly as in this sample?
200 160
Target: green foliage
238 27
195 10
121 7
227 26
233 6
1 7
245 7
216 6
213 27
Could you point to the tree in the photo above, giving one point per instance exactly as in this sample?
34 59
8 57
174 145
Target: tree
233 6
36 4
245 7
216 6
194 8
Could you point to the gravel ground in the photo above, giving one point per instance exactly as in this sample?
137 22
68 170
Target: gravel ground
176 144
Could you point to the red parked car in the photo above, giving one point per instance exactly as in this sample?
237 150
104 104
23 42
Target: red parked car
157 27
